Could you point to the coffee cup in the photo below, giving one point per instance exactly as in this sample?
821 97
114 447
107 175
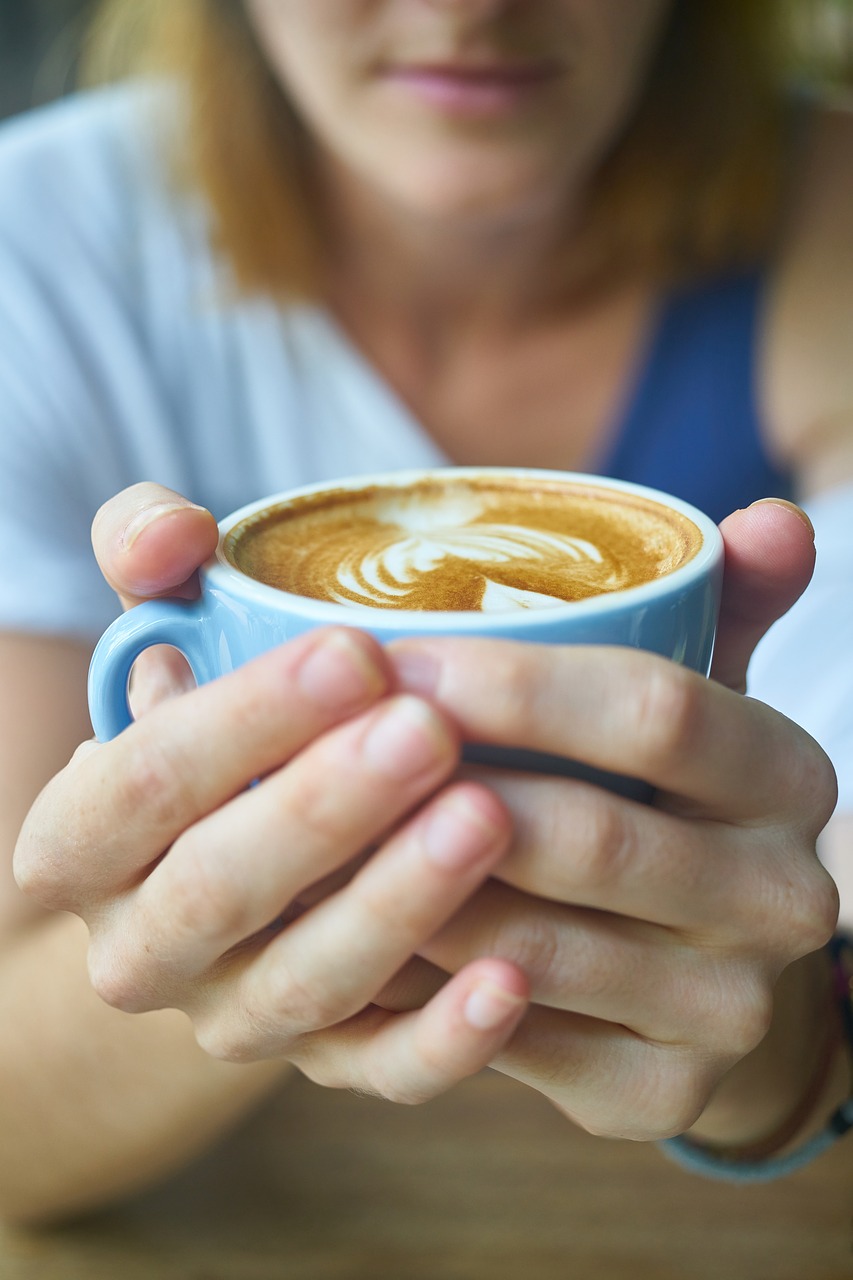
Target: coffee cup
541 556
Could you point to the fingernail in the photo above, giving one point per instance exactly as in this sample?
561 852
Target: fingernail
489 1005
789 506
417 671
459 833
143 519
337 672
406 738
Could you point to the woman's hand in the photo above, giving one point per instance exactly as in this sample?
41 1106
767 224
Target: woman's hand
218 848
652 936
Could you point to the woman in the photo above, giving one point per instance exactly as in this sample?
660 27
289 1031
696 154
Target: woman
406 232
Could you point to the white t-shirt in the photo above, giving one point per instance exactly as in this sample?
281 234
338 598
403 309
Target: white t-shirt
122 359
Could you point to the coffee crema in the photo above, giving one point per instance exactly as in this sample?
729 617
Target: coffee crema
463 544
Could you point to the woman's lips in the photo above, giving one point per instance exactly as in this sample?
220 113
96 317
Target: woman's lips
487 90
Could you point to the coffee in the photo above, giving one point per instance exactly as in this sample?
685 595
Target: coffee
463 544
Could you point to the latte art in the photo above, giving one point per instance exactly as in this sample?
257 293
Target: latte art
486 545
387 575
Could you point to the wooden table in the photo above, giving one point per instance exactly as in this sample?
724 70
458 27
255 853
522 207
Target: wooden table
487 1183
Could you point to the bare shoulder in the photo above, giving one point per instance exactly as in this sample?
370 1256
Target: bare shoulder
808 337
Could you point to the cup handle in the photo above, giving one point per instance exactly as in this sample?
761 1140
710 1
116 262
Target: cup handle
179 623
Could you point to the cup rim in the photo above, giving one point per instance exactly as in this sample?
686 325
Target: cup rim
219 572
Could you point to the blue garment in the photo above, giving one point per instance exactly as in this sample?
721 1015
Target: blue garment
692 426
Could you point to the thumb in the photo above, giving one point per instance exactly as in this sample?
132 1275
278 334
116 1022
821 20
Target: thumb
769 560
149 541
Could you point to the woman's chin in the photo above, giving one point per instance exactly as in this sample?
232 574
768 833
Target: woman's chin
473 195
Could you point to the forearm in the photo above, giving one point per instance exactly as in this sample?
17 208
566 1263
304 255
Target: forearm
93 1102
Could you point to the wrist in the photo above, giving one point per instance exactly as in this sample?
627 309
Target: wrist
789 1084
822 1115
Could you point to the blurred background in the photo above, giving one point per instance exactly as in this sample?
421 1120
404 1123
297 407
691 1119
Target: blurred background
41 42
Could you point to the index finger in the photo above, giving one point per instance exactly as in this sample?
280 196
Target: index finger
118 805
628 712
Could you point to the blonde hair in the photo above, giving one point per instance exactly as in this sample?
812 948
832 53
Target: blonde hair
691 187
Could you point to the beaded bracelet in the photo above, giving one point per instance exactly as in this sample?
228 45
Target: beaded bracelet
758 1163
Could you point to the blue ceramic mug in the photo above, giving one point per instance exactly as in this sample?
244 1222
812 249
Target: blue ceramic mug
236 617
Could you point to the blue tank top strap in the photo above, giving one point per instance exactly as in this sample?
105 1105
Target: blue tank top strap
692 425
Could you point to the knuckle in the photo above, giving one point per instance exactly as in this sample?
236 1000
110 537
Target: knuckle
731 1010
678 1105
384 913
315 808
666 711
812 909
405 1090
230 1042
35 864
204 903
663 1103
290 1006
43 861
535 944
825 905
114 978
806 779
805 772
150 782
817 783
605 842
511 688
746 1019
437 1063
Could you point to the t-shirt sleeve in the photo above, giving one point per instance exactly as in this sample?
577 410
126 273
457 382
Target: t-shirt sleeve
64 332
49 580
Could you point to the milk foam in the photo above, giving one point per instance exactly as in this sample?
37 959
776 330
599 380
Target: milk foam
431 533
